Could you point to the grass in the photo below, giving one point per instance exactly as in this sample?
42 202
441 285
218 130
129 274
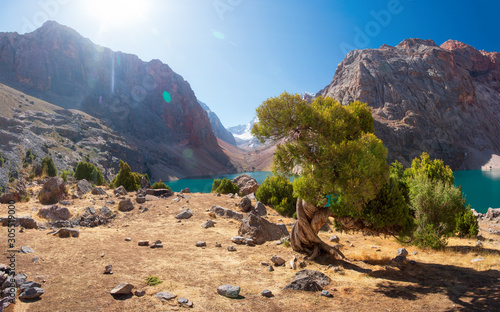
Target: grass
153 280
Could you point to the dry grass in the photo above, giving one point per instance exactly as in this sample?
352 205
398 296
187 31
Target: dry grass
72 268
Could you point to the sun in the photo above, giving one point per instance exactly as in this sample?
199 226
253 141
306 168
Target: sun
117 13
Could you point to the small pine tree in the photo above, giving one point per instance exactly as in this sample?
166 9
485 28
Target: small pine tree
160 185
131 181
89 172
277 191
467 225
224 186
49 167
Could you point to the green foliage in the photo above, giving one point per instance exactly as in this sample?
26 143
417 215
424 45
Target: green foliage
2 160
277 191
428 237
131 181
224 186
467 225
435 169
28 158
89 172
36 170
160 185
64 175
49 167
153 280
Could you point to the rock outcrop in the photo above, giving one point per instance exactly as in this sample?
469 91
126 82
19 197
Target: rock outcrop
52 191
443 100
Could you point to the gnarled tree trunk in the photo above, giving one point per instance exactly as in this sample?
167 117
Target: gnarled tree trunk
304 236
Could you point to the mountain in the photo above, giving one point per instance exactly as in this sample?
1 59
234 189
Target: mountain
443 100
146 103
219 130
244 137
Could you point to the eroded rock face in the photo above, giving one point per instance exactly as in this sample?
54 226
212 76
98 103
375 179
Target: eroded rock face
260 230
52 191
443 100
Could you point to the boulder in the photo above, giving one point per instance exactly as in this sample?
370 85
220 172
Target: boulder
259 209
145 183
120 191
186 190
184 214
402 252
14 195
229 291
208 224
125 205
228 213
246 183
309 280
67 232
31 293
52 191
26 222
122 289
143 243
26 249
105 211
267 293
159 192
98 191
140 199
54 212
83 187
245 204
492 213
185 302
201 244
165 295
260 230
277 260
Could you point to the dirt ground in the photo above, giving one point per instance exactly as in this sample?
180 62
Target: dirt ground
71 269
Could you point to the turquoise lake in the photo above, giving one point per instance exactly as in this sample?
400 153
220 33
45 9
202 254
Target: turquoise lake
481 188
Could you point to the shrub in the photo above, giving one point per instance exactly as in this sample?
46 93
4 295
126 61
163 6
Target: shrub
277 191
160 185
2 160
153 280
131 181
224 186
36 170
64 175
467 225
49 167
89 172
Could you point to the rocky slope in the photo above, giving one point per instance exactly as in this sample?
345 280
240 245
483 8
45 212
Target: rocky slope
444 100
219 130
147 103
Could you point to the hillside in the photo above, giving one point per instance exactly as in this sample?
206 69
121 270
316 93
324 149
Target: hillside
443 100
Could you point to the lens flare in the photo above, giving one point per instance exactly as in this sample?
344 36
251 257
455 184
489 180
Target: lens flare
167 97
188 153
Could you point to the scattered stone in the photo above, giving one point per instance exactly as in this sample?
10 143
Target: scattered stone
157 244
224 212
326 293
264 263
479 244
159 192
143 243
144 209
270 268
31 293
477 260
238 240
201 244
177 199
184 214
83 187
351 245
67 232
120 191
260 230
35 259
302 264
140 199
66 202
208 224
259 209
246 184
212 215
128 239
335 239
26 285
229 291
108 269
140 293
218 245
245 204
98 191
26 222
230 195
26 249
122 289
399 259
492 213
110 202
125 205
90 210
165 295
293 263
267 293
105 211
402 252
185 302
54 213
231 248
186 190
309 280
415 252
277 260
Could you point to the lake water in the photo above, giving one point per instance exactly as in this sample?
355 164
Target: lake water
482 188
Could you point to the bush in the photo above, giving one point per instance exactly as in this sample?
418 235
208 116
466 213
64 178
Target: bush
131 181
89 172
277 191
2 160
153 280
160 185
49 167
224 186
467 225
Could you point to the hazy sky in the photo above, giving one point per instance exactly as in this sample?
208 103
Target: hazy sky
237 53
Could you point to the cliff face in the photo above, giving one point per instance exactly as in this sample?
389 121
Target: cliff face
219 130
443 100
146 102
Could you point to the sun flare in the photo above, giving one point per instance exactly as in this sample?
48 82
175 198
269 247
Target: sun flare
112 13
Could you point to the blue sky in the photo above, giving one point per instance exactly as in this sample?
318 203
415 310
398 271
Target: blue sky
237 53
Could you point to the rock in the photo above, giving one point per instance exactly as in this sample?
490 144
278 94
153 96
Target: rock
110 202
105 211
293 263
231 248
140 293
238 240
26 222
125 205
208 224
90 210
201 244
165 295
479 244
492 213
185 302
25 285
229 291
157 244
143 243
270 268
108 269
14 195
259 209
334 239
245 204
66 232
83 187
98 191
122 289
186 190
399 259
176 199
277 260
159 192
54 213
120 191
218 245
66 202
184 214
302 264
309 280
145 184
26 249
128 239
31 293
140 199
52 191
267 293
20 279
402 252
246 183
224 212
326 293
477 260
261 230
